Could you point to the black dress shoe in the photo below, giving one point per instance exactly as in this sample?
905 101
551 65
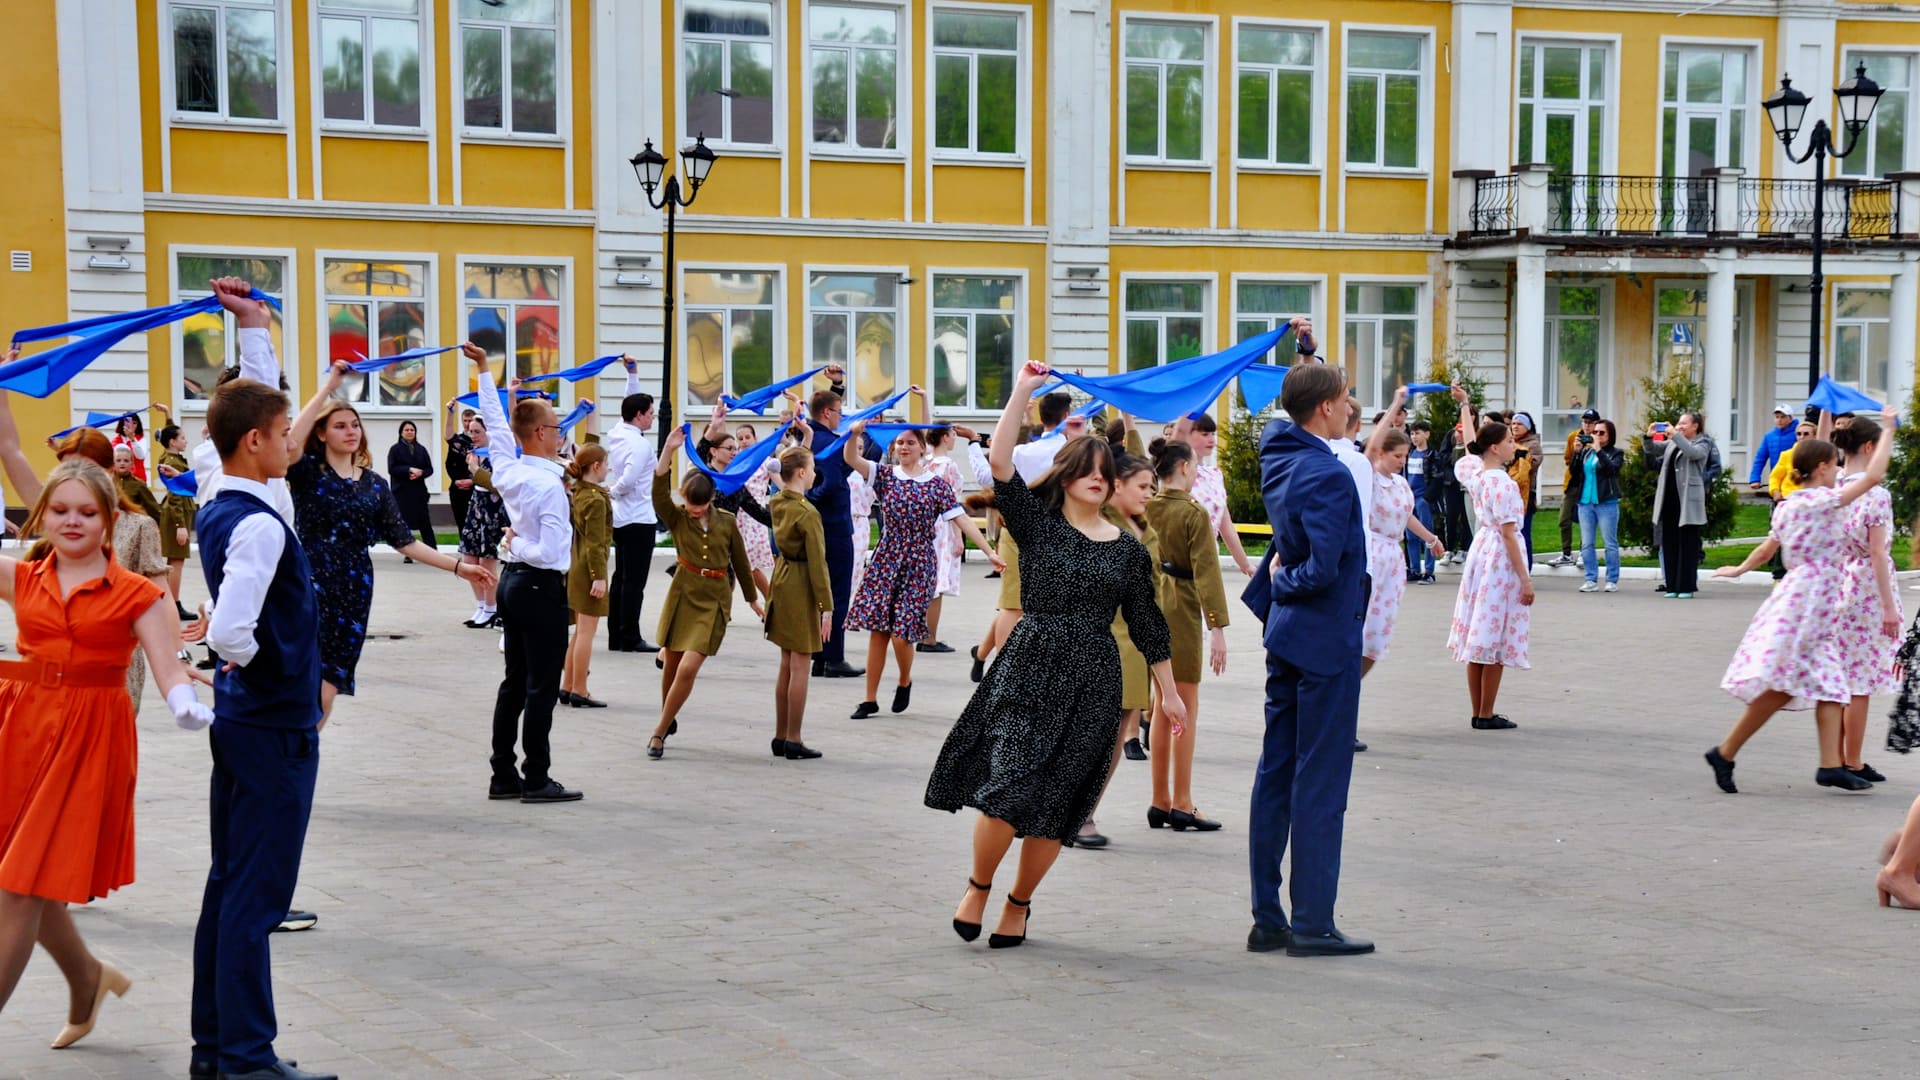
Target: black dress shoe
185 615
552 792
1268 939
1156 818
902 697
933 646
1868 773
840 669
500 789
205 1070
1181 821
1333 944
780 748
797 751
643 645
866 709
819 669
566 697
1359 747
279 1070
1091 840
656 748
1496 722
582 701
979 670
993 575
1722 771
212 661
1133 751
1842 779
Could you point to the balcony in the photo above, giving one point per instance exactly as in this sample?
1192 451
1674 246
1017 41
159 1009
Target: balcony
1723 206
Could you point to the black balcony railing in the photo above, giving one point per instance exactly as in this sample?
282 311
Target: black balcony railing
1685 206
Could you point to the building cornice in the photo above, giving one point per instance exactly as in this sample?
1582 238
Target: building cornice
848 229
162 202
1331 241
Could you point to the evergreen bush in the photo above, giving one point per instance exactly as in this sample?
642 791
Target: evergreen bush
1664 401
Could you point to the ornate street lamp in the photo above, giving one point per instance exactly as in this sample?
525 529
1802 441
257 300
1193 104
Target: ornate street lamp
696 162
1785 110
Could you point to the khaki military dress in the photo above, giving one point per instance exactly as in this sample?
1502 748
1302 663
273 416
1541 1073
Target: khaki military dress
1191 594
800 591
139 495
1136 681
592 540
176 513
699 601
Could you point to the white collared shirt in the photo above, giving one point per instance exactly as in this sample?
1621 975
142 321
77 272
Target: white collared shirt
630 461
1362 471
532 490
1032 460
258 363
253 556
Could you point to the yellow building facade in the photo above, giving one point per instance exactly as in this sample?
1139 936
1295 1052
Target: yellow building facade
934 192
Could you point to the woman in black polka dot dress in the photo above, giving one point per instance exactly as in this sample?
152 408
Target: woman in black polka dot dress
1032 750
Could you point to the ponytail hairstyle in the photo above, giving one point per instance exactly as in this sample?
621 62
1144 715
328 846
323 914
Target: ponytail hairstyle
792 460
168 434
697 488
1394 439
1857 437
1167 457
1810 454
1491 434
584 459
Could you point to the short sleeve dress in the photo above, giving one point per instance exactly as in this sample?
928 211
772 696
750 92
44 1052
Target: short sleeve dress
1865 649
1490 624
69 754
800 591
1386 561
486 519
338 518
1793 644
752 533
902 572
1210 491
860 505
1034 744
948 541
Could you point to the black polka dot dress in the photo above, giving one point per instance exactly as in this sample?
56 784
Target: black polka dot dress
1034 745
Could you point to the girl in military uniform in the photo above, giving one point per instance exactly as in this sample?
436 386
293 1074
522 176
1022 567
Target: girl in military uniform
176 513
587 576
800 600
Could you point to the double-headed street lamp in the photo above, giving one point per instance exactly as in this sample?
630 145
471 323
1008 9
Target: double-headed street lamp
696 161
1857 97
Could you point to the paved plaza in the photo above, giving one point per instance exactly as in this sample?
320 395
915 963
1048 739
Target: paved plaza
1572 899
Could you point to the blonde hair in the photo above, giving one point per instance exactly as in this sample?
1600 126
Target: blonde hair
584 460
792 460
106 496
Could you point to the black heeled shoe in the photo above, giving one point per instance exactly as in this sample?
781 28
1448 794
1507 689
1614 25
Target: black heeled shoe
1008 941
566 697
673 728
1182 821
582 701
656 748
866 709
979 669
1133 750
901 696
799 751
779 748
1156 818
970 931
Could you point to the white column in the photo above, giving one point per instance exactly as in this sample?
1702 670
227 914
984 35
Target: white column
1722 306
1904 323
1482 72
1528 389
1077 290
1530 198
628 244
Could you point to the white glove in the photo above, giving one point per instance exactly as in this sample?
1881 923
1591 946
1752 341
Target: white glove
187 710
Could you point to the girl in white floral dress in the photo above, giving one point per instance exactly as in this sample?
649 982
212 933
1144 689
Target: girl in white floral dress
1210 486
1386 541
948 544
1492 615
1869 611
1791 657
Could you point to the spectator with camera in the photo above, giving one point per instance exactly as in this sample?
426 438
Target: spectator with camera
1570 493
1688 461
1593 489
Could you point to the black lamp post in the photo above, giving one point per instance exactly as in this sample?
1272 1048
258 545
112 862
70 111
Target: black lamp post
1785 110
696 161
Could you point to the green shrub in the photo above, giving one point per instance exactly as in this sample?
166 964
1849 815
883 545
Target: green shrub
1440 411
1664 400
1239 454
1903 475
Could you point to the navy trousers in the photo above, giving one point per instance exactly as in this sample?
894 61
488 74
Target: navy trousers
262 795
1306 763
840 578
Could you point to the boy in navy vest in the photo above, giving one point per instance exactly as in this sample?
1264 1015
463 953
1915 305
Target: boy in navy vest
265 738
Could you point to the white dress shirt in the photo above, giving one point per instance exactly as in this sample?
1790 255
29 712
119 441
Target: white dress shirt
254 549
630 462
532 490
1033 459
1362 470
258 363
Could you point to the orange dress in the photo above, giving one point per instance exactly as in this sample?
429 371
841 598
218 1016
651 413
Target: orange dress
68 754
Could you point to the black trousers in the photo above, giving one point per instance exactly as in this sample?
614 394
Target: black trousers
533 610
459 498
1679 549
840 579
633 561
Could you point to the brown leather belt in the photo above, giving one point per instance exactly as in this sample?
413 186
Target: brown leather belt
49 674
701 570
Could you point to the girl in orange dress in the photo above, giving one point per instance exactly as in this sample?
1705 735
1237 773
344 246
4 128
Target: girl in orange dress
68 750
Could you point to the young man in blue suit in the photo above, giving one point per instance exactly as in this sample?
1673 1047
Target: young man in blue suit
1318 602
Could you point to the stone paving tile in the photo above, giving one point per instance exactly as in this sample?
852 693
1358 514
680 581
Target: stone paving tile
1573 899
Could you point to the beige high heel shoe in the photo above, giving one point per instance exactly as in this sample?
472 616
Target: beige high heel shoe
1891 887
111 982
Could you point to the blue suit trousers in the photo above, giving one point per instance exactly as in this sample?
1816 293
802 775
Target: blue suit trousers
1306 763
840 578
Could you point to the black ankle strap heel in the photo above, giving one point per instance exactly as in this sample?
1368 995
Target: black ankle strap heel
970 931
1008 941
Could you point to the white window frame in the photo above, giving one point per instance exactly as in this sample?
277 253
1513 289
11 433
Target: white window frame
1755 140
1866 325
776 39
1603 365
1021 330
1745 376
1423 330
685 309
1427 78
1863 153
1023 63
423 29
902 85
1318 138
562 77
289 318
429 320
1608 100
1209 311
283 67
566 301
1316 285
1209 93
903 352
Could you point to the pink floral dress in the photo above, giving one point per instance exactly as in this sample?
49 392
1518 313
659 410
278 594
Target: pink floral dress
1210 491
752 533
1793 643
1867 651
1386 561
947 537
1490 624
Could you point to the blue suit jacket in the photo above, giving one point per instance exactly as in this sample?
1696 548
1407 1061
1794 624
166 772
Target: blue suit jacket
1318 593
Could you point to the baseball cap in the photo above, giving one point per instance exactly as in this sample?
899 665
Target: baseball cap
1782 409
1590 414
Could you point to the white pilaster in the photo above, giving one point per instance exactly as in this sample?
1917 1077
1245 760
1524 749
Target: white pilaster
1078 287
628 239
1482 70
1806 53
1903 311
1722 307
1529 386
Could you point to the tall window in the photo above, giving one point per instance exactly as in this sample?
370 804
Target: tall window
1861 337
856 63
378 308
510 65
226 59
208 343
1883 146
1166 321
1680 340
729 325
1275 83
1382 339
1383 99
1260 306
976 82
515 311
853 317
727 70
1563 107
1572 360
976 343
370 62
1703 119
1166 91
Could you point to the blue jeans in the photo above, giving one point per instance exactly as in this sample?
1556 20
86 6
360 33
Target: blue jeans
1606 518
1419 559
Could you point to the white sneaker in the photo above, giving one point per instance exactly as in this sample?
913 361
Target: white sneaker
1591 586
1613 586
